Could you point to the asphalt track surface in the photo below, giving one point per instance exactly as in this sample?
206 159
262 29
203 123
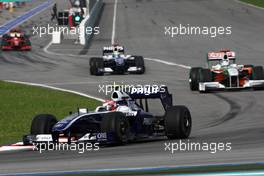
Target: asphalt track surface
235 117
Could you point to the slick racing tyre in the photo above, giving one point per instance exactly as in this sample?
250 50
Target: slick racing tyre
257 73
96 66
42 124
139 63
3 41
27 43
117 123
178 122
206 75
194 78
92 65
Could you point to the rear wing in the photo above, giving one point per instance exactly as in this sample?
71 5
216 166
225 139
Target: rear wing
152 92
111 49
212 56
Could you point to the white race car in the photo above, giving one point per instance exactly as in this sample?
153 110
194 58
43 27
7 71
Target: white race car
115 61
125 118
223 73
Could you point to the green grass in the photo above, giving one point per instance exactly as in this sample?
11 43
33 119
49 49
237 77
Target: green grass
259 3
20 103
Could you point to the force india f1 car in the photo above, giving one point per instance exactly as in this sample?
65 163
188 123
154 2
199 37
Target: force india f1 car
226 74
124 118
15 40
115 61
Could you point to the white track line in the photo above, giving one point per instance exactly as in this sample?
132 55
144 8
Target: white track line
45 49
56 88
114 23
70 83
15 148
169 63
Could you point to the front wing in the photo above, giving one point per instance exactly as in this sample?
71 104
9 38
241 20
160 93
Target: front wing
102 138
130 69
210 86
21 48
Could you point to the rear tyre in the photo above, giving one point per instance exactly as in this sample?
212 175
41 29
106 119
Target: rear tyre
28 43
257 73
178 122
42 124
139 62
117 123
194 78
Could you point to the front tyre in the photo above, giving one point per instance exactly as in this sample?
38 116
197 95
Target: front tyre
178 122
97 66
42 124
117 123
140 64
194 78
205 76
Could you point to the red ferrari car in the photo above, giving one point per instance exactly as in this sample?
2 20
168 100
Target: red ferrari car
15 40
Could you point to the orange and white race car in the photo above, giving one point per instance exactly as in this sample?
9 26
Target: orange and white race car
222 72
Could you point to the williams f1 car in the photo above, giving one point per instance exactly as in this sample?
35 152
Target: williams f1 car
222 72
15 40
115 61
124 118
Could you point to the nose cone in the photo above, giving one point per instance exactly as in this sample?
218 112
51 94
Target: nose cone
119 61
16 41
233 72
58 127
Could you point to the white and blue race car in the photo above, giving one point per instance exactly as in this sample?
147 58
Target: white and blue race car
115 61
124 118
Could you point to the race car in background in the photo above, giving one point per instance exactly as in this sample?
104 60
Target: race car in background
15 40
115 61
124 118
222 72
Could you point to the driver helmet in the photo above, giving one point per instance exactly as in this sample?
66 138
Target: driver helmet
77 3
225 61
116 52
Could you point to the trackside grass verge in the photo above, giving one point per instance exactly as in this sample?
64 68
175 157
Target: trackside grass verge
20 103
259 3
